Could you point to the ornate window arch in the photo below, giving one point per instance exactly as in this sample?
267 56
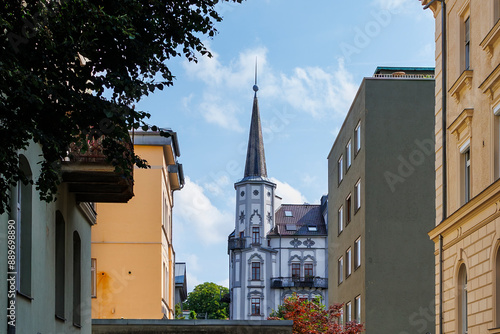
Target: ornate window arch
255 216
255 257
295 258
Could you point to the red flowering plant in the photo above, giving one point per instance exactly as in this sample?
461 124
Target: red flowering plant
312 317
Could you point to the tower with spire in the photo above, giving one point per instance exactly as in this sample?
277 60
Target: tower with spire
250 254
260 267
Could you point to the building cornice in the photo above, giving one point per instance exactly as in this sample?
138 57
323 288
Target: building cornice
476 207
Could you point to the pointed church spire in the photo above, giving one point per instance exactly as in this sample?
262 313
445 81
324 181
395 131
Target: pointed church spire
255 165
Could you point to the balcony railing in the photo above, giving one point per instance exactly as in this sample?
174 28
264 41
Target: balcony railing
92 179
402 75
236 243
299 282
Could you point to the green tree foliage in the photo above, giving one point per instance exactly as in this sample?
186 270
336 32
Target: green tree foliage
311 317
178 311
72 69
208 298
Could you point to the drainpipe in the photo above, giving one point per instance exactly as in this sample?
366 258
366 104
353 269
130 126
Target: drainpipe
441 284
444 166
281 251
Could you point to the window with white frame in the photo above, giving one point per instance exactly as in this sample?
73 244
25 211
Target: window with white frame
340 168
466 176
348 209
357 195
462 300
348 158
295 271
255 235
496 11
77 280
255 306
341 269
357 253
357 138
467 43
60 266
341 219
348 311
24 230
255 271
496 144
308 270
93 278
348 262
497 289
357 307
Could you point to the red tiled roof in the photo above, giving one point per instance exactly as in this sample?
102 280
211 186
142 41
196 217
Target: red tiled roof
302 216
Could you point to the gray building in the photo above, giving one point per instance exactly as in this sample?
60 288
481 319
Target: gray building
381 204
180 283
275 249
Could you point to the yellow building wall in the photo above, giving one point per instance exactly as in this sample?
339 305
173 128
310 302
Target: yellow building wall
130 245
470 231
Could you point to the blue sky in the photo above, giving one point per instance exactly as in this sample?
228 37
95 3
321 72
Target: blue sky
312 57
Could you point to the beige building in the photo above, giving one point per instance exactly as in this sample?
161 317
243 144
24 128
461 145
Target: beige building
133 257
467 232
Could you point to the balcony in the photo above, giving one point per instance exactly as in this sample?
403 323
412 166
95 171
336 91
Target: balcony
92 179
299 282
236 243
403 75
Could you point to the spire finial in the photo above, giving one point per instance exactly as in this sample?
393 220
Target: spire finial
255 87
255 165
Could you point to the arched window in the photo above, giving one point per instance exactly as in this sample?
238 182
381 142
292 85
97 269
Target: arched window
497 289
462 300
60 267
24 228
77 279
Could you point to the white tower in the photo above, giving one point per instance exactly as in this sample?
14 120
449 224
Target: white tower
250 256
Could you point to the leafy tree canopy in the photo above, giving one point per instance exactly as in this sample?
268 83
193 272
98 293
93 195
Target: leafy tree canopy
74 68
311 317
208 298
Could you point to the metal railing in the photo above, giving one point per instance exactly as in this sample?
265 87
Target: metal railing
236 243
404 76
299 282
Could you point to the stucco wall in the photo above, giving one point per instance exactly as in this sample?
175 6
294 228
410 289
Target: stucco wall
38 314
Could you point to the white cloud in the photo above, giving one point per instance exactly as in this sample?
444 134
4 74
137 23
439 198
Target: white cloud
224 283
193 208
309 179
193 262
314 91
289 194
392 5
192 281
219 187
217 111
220 102
318 92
